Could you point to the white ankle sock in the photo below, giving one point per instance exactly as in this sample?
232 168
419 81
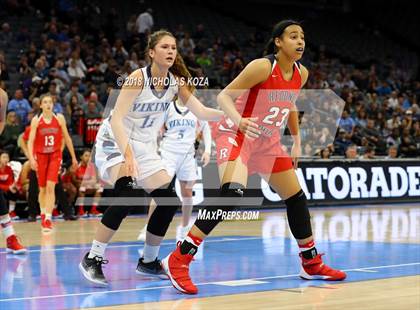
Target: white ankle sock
6 226
97 249
150 253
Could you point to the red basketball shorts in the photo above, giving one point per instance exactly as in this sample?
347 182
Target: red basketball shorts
263 155
48 167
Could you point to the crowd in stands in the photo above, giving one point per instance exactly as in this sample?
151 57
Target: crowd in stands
78 63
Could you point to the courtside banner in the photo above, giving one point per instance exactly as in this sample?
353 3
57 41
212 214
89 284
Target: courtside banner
331 182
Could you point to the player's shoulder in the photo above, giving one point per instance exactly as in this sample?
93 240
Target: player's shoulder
304 73
260 68
261 64
59 116
36 119
302 68
135 80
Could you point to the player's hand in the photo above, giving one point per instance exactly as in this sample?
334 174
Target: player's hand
34 165
249 127
295 154
205 159
74 163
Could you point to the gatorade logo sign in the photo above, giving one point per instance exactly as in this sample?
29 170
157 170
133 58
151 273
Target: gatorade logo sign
354 182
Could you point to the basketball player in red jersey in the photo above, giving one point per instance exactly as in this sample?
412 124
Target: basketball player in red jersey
265 93
12 243
45 155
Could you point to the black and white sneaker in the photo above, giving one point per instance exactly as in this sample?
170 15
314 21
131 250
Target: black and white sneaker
91 268
152 269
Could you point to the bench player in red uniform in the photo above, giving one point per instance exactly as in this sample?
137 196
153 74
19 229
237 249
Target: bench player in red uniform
12 243
248 142
45 155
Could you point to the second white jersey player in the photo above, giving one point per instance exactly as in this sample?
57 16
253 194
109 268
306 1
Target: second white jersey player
177 146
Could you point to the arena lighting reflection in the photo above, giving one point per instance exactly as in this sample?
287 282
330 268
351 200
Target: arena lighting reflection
354 225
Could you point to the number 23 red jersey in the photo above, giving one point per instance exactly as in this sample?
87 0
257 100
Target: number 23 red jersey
271 101
49 136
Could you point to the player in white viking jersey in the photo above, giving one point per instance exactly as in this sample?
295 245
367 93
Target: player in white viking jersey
178 154
126 151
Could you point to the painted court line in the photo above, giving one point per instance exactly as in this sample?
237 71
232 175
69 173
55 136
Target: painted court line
365 270
198 284
240 282
140 244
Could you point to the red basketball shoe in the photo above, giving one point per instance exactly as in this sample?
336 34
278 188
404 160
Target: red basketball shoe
177 266
46 225
14 246
315 269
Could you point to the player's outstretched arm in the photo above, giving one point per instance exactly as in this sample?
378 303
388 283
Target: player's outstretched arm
202 112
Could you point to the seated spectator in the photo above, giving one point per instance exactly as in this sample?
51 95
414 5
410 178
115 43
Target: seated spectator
86 181
325 137
186 44
93 97
392 152
325 153
36 88
351 151
408 147
373 136
361 118
95 75
11 132
119 53
6 35
134 61
74 109
74 91
192 65
21 106
237 67
408 119
111 75
384 89
394 122
346 122
369 153
75 71
393 100
58 108
307 150
60 72
342 142
90 110
204 60
394 138
41 67
7 182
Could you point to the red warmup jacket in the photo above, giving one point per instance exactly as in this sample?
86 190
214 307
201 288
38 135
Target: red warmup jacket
6 178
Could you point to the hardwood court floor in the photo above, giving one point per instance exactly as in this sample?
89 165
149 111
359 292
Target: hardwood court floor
244 265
